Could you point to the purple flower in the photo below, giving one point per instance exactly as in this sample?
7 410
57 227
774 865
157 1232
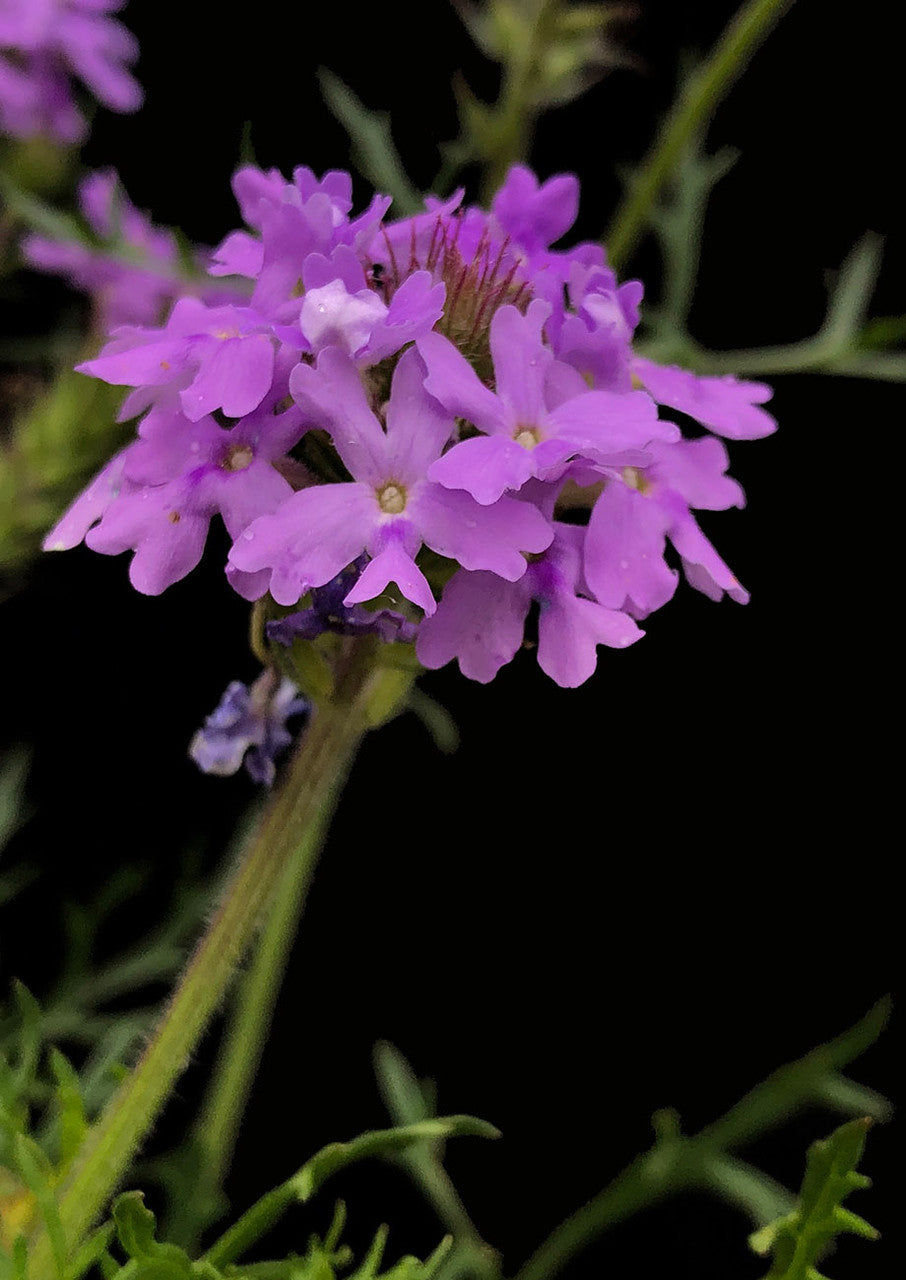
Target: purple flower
481 620
51 41
595 337
639 510
523 437
343 311
390 508
217 357
293 220
248 726
412 404
725 405
327 612
534 215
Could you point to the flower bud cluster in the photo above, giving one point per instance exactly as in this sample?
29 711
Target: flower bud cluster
443 413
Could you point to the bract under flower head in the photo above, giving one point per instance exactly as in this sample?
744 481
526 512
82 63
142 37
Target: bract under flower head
402 413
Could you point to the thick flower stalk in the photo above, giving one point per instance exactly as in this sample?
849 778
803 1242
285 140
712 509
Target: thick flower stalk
44 46
441 413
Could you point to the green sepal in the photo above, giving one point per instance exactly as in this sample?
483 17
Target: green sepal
388 694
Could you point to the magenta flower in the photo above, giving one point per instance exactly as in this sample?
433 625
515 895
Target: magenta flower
416 406
639 510
725 405
43 43
523 437
217 358
390 508
481 621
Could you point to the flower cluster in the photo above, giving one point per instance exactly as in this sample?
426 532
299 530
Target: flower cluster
43 44
135 271
443 412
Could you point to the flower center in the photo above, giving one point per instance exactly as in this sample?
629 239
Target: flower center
636 479
527 437
238 457
392 499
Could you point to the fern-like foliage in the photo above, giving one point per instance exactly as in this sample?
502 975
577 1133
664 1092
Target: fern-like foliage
798 1240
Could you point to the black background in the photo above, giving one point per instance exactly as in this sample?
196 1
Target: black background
648 891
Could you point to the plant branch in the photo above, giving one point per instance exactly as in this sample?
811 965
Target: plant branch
677 1161
694 107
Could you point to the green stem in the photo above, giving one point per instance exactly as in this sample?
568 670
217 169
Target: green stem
515 114
302 804
692 110
677 1161
218 1124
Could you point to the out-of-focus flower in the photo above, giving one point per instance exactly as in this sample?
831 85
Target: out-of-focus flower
44 45
248 726
135 272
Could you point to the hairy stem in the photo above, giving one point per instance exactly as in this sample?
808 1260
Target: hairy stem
288 834
217 1128
692 110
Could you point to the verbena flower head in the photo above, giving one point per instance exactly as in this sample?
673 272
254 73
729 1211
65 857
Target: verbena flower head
44 45
433 428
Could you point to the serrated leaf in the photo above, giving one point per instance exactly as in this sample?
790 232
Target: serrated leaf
136 1228
799 1239
135 1224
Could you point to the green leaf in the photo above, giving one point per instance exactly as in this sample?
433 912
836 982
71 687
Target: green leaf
12 801
373 148
403 1094
37 1174
73 1123
759 1196
799 1239
92 1251
135 1225
437 720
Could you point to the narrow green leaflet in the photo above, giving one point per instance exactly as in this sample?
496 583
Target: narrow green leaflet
798 1240
375 155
